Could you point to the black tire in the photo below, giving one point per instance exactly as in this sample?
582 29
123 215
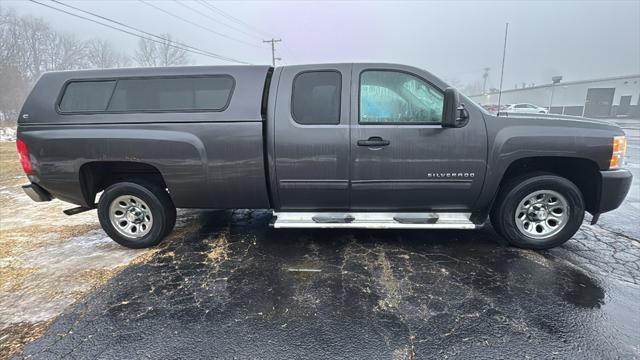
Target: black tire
515 190
166 199
171 217
158 202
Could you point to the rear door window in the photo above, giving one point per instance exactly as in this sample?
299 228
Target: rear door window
316 98
172 94
86 96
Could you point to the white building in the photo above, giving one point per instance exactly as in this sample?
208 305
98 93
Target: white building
613 96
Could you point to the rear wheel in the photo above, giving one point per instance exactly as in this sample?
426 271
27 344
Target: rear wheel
538 211
136 216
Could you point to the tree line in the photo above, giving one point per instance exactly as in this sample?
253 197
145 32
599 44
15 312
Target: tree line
29 46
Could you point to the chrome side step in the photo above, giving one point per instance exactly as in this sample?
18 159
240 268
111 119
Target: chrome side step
372 220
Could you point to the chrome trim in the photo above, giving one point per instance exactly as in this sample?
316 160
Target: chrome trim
372 220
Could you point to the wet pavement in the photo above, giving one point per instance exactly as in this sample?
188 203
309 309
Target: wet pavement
235 288
232 287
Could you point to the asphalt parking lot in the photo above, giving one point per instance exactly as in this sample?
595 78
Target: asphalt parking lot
232 287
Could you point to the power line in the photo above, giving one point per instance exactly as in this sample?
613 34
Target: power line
115 28
210 18
162 40
148 33
228 16
235 19
207 6
180 17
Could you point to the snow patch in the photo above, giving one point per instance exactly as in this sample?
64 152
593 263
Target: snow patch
7 134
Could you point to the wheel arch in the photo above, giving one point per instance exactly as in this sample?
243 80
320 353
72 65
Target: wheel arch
584 173
95 176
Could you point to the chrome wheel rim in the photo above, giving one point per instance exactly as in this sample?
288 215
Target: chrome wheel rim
542 214
130 216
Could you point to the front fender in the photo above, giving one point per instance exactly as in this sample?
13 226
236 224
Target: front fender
512 139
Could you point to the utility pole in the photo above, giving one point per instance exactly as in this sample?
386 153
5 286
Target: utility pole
273 50
554 81
485 76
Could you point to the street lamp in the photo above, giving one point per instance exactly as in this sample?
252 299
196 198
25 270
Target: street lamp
554 81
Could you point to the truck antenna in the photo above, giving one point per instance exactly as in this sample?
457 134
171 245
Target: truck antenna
504 53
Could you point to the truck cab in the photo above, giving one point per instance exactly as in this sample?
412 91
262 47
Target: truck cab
370 137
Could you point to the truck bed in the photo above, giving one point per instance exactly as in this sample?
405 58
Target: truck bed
208 159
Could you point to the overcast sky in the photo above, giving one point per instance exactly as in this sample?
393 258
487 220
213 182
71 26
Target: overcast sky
454 40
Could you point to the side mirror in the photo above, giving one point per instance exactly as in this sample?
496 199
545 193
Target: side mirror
455 114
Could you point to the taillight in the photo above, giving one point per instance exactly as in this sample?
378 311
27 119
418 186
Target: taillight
619 150
25 159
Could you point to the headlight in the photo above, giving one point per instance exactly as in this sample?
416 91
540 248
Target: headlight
619 150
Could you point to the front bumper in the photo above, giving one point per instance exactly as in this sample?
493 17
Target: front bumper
37 193
615 185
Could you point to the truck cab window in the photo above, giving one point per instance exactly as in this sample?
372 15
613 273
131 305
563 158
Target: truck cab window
398 97
316 98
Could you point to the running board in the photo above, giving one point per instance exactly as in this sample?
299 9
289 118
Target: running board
372 220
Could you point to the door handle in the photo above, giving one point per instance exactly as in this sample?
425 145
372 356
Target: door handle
374 141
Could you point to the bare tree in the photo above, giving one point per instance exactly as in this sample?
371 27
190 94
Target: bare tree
102 55
29 47
35 38
65 52
161 53
146 53
10 49
14 85
13 90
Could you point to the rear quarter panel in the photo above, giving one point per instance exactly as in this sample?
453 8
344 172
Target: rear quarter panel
205 165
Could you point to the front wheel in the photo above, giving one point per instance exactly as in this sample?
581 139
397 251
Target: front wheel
136 216
538 211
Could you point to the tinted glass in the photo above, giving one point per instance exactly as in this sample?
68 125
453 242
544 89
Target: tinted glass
316 98
87 96
397 97
189 93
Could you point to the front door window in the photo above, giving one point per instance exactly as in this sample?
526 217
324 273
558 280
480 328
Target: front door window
397 97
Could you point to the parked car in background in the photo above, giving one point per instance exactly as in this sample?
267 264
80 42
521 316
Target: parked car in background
525 108
493 108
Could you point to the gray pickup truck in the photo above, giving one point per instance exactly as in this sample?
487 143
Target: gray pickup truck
378 146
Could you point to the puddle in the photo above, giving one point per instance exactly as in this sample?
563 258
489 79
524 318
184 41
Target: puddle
583 291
